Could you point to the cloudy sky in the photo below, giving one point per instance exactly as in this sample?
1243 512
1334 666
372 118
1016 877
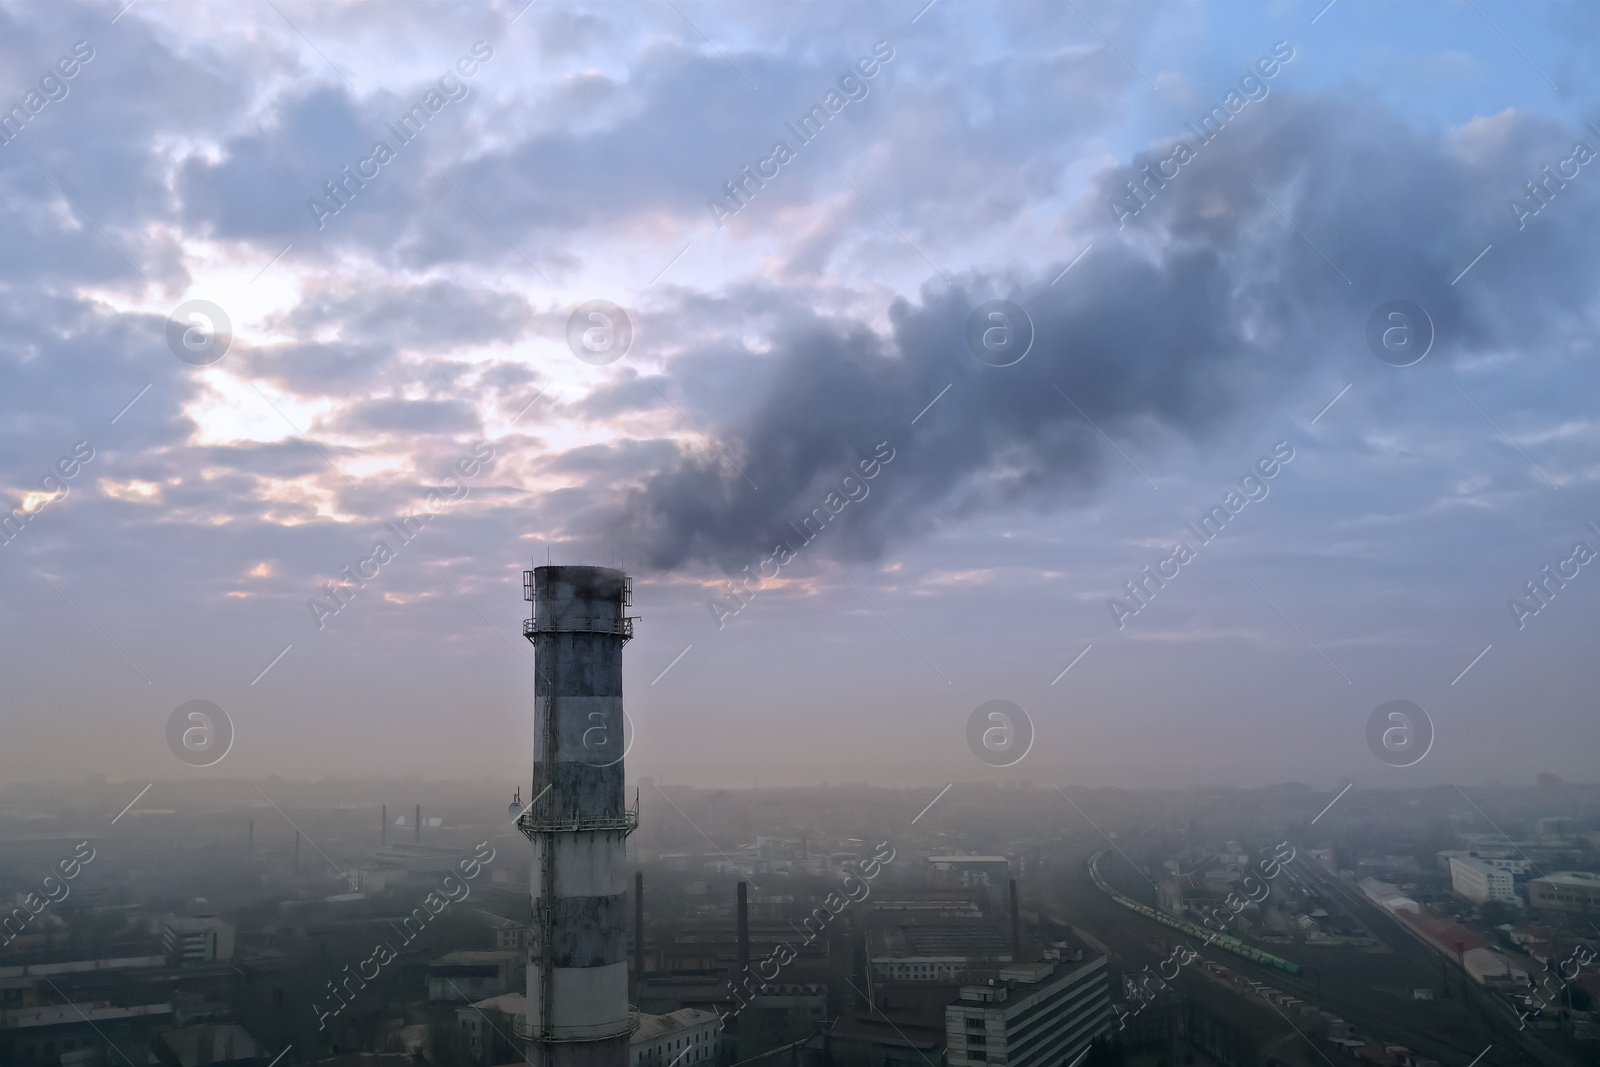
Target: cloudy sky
1199 217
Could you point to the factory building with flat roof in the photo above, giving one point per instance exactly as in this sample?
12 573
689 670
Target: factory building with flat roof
1032 1015
1573 891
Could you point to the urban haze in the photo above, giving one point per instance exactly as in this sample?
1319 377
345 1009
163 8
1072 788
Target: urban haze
694 534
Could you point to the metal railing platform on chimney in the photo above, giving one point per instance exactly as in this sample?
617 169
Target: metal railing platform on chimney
622 626
533 824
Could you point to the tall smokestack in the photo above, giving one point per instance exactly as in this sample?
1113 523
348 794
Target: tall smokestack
638 934
416 827
1016 925
383 826
744 933
297 852
577 1013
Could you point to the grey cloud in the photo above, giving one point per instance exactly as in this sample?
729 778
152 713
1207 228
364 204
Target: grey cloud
630 392
313 367
433 317
572 157
95 143
414 416
258 190
610 465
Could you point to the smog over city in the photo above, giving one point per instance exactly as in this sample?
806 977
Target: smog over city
1053 533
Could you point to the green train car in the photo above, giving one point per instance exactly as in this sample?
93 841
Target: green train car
1199 933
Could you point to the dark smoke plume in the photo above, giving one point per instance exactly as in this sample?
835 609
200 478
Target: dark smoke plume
1198 313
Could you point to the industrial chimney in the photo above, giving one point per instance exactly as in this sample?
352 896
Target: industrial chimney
742 918
578 819
1016 925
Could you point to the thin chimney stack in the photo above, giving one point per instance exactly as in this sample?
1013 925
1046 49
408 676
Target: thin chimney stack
1016 925
744 930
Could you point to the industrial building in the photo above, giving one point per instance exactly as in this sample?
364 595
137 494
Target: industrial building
685 1037
1387 896
967 871
1573 891
1481 881
45 1034
472 976
882 1042
487 1028
1495 969
196 939
934 951
1030 1015
700 966
925 904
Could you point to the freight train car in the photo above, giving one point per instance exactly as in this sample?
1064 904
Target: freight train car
1231 944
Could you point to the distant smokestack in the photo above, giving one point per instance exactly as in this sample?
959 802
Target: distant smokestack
416 828
250 838
297 852
802 846
638 934
1016 925
744 931
383 826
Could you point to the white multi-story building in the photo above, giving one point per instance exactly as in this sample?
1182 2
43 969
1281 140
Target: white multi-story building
196 939
1034 1015
1506 861
1481 881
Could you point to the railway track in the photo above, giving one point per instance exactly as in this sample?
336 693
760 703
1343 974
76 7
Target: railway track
1492 1012
1363 1010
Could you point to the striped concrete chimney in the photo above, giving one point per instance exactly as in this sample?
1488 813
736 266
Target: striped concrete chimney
578 819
